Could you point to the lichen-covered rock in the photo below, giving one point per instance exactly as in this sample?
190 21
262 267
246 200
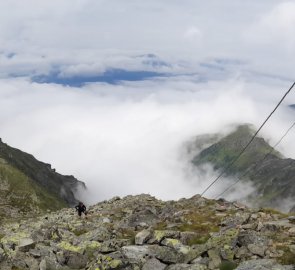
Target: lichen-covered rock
142 237
187 267
257 249
136 254
25 244
215 259
153 264
159 235
263 264
146 233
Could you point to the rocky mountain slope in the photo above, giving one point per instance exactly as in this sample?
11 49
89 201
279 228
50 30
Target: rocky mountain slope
274 178
28 186
141 232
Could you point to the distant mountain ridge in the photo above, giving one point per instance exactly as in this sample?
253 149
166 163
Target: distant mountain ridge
28 185
274 178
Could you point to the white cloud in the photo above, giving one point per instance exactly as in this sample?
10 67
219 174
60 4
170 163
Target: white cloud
80 35
129 138
193 33
275 30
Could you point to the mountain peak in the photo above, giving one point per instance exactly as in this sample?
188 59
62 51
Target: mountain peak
272 175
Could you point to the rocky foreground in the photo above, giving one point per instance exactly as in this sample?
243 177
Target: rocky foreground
141 232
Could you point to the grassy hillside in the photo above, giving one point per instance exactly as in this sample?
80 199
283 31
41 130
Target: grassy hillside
228 148
21 195
274 178
28 186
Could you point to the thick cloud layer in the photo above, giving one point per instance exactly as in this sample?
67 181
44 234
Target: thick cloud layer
131 138
202 58
91 36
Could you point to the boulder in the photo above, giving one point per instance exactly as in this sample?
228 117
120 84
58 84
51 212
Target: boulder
136 254
257 249
215 259
251 237
291 231
159 235
142 237
186 267
2 255
153 264
75 260
25 244
263 264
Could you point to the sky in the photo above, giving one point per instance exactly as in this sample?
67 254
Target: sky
112 91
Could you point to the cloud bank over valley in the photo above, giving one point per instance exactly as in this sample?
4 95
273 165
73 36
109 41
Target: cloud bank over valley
113 91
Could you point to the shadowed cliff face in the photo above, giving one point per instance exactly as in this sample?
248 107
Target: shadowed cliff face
28 185
273 179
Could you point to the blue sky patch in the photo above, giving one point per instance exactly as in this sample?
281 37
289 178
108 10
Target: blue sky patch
113 76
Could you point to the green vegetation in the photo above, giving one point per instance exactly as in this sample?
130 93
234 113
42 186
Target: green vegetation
202 222
260 164
227 149
226 265
198 240
274 212
288 257
20 192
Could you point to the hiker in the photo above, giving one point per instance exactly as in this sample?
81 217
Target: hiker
81 208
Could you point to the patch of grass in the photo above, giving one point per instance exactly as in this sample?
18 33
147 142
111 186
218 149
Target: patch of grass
274 212
128 234
24 194
198 240
226 265
288 257
160 226
202 222
79 232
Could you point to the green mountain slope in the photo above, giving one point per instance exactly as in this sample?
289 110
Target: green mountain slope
274 178
28 186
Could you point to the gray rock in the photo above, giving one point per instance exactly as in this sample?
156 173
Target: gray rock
2 255
166 254
242 253
291 231
114 199
35 253
153 264
25 244
159 235
187 267
251 237
75 260
49 263
257 249
136 254
106 220
292 249
215 259
263 264
142 237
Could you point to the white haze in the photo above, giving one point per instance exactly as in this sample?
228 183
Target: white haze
131 138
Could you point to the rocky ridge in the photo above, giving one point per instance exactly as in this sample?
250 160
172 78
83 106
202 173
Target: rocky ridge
141 232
